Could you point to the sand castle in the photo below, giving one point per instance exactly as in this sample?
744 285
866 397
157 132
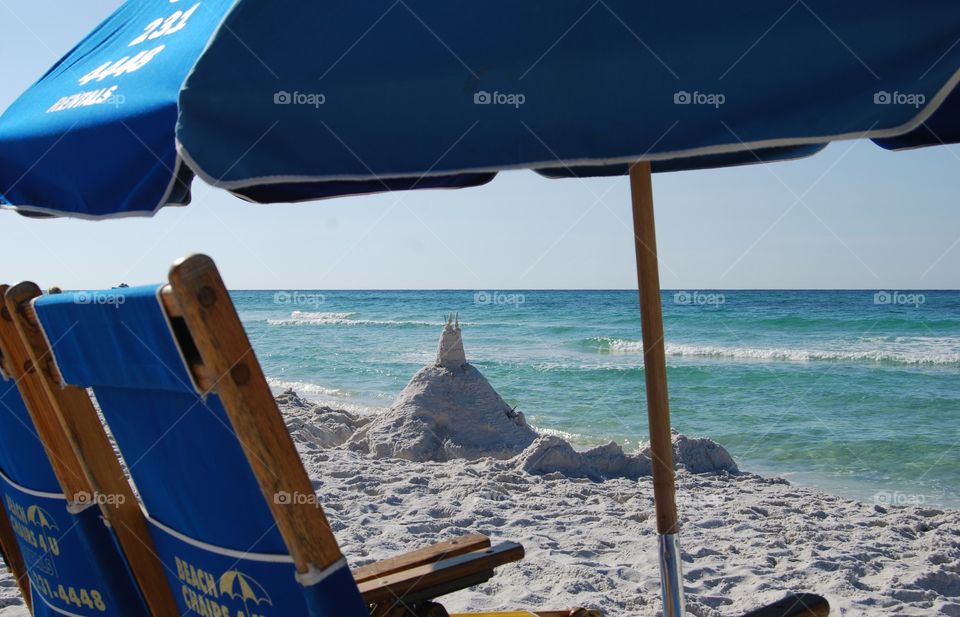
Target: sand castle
449 410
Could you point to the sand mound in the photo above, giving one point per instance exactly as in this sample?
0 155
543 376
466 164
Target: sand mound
554 455
699 455
317 426
551 454
448 410
446 413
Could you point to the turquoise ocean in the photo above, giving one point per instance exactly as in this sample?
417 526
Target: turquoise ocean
854 392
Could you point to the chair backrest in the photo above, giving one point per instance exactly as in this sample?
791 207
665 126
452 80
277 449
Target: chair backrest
59 539
233 520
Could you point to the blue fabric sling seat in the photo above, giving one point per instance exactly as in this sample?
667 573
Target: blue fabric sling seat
73 561
213 530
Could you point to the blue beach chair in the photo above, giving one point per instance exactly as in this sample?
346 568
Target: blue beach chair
65 558
230 507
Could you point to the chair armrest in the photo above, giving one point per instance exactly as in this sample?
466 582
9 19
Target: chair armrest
429 554
423 581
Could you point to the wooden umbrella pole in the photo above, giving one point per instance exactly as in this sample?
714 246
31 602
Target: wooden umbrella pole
655 369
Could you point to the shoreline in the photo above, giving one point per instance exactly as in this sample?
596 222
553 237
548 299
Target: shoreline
864 491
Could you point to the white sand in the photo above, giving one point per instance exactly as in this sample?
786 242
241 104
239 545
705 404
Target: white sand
746 540
586 518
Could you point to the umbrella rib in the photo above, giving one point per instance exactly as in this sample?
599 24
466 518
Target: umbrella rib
757 42
357 42
842 42
636 36
557 42
442 42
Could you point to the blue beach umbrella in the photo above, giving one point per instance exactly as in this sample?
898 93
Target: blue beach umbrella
396 95
293 100
94 137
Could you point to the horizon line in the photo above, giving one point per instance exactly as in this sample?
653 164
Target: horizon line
597 289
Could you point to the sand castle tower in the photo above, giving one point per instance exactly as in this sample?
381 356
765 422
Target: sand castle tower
448 410
450 353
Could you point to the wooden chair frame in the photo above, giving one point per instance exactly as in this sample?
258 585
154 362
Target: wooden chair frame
78 447
221 360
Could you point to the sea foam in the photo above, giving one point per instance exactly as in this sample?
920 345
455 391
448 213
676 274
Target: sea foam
308 318
915 351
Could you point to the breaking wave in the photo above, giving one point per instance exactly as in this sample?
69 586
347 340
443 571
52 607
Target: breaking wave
307 318
938 352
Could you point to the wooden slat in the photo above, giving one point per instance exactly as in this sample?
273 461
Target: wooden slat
88 440
227 355
654 355
429 554
574 612
66 466
795 605
417 582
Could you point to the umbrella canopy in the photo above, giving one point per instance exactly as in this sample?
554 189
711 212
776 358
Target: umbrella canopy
413 89
411 95
94 134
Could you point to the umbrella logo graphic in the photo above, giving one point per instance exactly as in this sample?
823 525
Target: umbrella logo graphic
40 517
236 584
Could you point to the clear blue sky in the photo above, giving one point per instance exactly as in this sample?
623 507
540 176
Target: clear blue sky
854 216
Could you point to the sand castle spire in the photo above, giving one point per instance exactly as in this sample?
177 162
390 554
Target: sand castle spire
450 353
